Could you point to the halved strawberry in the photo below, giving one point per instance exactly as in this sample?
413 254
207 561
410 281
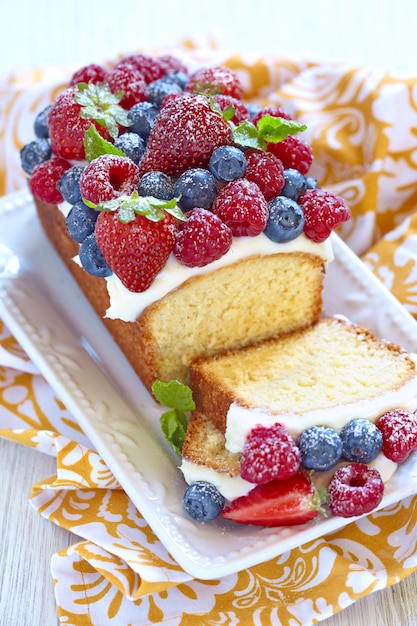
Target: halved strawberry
277 503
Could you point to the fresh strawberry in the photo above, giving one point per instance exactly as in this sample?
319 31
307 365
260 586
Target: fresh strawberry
184 135
137 250
214 80
277 503
75 110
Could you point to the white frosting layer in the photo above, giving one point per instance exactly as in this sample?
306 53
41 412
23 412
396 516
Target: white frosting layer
241 420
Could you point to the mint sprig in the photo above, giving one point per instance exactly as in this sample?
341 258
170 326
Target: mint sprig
95 145
128 206
178 397
99 103
269 129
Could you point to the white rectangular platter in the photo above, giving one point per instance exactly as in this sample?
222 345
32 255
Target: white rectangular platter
48 314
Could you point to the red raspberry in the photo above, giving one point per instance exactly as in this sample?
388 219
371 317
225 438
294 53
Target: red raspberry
214 80
242 206
88 74
202 239
150 67
323 212
130 81
293 152
264 169
272 111
241 110
107 177
269 453
399 434
45 178
169 63
355 489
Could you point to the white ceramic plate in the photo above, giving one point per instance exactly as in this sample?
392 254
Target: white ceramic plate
48 314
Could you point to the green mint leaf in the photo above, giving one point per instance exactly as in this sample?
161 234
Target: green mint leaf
95 145
174 394
228 112
275 129
174 426
147 206
247 136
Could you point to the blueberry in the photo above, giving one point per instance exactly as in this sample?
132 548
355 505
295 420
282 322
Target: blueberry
195 188
40 125
311 183
320 448
81 221
132 144
142 115
285 221
227 163
92 259
253 109
203 502
156 184
33 154
294 184
69 185
362 441
181 78
158 90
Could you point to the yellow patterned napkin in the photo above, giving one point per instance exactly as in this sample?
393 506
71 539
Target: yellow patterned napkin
361 125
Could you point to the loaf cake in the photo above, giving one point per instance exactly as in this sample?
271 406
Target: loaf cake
187 217
332 375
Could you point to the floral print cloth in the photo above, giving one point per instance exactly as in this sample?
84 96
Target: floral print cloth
362 127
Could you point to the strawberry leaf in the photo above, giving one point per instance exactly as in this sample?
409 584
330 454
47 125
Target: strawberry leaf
101 105
178 397
95 145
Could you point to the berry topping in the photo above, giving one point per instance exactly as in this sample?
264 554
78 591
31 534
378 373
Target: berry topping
202 239
158 90
242 206
203 502
33 154
320 448
293 152
277 503
69 185
355 489
91 73
264 169
92 259
132 145
107 177
40 125
294 184
272 111
285 221
227 163
215 80
157 185
269 453
137 248
45 179
128 80
150 67
195 188
399 434
362 441
142 117
240 110
81 221
184 135
323 212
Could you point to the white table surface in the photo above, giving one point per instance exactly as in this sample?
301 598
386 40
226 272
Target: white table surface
33 34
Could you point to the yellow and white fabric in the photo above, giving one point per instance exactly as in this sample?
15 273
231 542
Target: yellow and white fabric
361 124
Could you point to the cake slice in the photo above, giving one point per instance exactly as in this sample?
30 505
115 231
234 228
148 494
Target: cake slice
329 373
